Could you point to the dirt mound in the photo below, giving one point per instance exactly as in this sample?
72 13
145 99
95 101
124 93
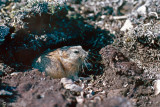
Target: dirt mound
34 89
123 77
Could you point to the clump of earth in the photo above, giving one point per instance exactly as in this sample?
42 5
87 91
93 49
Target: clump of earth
122 38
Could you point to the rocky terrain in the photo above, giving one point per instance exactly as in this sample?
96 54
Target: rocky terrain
121 36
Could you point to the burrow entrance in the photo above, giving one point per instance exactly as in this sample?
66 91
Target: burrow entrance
39 33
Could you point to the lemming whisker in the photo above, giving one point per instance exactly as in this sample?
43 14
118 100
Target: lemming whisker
94 54
86 65
89 60
82 68
94 57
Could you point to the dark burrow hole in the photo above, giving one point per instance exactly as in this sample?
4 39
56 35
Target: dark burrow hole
51 32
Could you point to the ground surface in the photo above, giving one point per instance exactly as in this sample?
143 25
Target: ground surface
121 75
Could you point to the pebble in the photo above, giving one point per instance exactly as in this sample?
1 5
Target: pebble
66 81
73 87
5 93
157 87
14 73
142 10
103 16
80 100
69 84
127 25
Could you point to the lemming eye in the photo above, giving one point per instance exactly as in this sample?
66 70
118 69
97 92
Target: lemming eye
76 51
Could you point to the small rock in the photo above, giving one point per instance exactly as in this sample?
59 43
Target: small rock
103 16
66 81
69 84
142 10
5 93
157 87
153 14
80 100
73 87
14 73
127 25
